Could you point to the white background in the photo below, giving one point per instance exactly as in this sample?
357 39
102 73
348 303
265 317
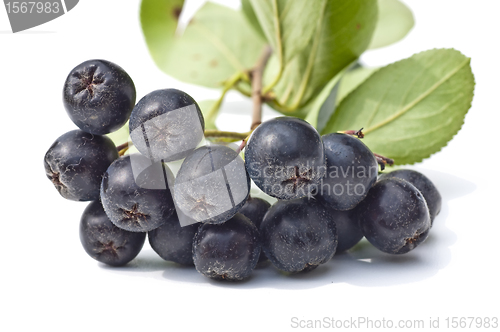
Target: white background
47 282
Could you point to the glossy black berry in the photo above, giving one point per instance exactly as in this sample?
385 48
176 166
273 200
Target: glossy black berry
351 171
76 162
105 242
227 251
99 96
166 124
255 209
212 184
285 157
422 183
298 235
348 228
172 242
394 216
135 193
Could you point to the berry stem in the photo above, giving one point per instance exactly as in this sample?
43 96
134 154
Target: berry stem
122 148
227 134
382 161
357 133
123 151
244 143
256 76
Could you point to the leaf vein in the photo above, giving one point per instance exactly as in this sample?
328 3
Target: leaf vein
419 99
231 58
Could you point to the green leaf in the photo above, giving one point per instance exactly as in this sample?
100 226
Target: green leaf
329 105
395 20
342 32
352 79
217 43
287 25
323 106
412 108
206 106
159 22
324 101
247 9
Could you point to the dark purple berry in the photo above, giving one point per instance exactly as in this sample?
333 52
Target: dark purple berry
285 158
298 235
227 251
351 171
99 96
166 124
105 242
135 193
394 216
173 242
348 228
255 209
76 162
423 184
212 184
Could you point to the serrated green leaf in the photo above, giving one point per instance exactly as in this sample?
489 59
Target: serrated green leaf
206 106
342 32
217 43
395 20
412 108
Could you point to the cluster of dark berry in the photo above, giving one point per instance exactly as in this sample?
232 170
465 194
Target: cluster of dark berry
328 189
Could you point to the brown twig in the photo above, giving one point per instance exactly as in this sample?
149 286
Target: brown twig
256 76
